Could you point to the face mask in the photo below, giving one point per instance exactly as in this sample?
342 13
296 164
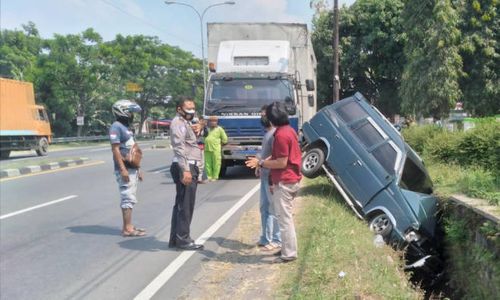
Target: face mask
187 114
264 121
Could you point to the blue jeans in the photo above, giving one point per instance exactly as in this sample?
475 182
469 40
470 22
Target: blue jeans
270 227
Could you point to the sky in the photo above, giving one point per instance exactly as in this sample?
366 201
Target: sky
176 25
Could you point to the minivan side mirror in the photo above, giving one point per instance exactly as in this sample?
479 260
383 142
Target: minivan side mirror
310 85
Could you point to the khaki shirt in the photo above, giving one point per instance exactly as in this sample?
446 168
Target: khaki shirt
183 140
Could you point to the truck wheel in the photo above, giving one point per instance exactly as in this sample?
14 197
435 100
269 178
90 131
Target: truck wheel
312 161
223 170
43 147
5 154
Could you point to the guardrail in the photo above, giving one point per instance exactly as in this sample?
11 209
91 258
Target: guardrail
96 138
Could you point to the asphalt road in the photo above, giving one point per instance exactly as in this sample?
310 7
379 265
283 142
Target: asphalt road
72 247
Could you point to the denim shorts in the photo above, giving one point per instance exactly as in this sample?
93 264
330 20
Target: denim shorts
128 190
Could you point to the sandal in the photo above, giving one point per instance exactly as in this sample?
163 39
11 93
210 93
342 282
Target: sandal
139 229
134 233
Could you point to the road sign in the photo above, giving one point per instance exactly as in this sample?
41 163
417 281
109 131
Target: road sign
80 121
133 87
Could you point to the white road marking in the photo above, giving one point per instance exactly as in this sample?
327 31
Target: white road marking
175 265
36 207
162 170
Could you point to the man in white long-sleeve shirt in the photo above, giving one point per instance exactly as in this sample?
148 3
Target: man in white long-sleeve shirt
185 171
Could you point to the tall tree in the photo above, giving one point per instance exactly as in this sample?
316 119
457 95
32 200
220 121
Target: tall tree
480 26
430 78
160 71
76 75
19 51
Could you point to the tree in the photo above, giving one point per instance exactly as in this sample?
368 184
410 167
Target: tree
75 76
19 51
161 71
430 77
371 60
480 26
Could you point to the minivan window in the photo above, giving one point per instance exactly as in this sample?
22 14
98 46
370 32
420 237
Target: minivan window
351 111
368 134
386 156
414 178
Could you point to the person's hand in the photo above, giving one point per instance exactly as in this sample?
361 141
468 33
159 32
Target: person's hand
257 172
197 128
124 174
252 162
141 175
271 189
187 178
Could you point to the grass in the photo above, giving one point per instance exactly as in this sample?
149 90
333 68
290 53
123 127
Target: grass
63 146
472 181
333 240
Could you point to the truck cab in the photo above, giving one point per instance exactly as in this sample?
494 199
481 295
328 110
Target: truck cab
252 65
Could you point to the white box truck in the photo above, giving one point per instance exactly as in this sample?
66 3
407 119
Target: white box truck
251 65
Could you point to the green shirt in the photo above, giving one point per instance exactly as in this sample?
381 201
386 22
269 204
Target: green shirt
215 138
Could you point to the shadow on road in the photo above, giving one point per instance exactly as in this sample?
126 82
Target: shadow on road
95 229
147 243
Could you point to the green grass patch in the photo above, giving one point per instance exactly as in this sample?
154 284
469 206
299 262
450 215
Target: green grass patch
472 181
333 240
71 145
32 162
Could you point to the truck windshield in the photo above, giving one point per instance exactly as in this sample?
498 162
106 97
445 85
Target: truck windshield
246 95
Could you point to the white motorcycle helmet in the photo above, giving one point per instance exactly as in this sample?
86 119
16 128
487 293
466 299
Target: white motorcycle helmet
125 109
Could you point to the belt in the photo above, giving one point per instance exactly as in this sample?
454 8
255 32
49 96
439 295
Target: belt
191 162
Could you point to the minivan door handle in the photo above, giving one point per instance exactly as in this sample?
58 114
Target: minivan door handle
357 162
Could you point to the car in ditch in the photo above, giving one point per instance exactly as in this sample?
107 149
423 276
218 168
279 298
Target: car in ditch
380 176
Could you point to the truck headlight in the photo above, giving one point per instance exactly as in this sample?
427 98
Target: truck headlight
412 236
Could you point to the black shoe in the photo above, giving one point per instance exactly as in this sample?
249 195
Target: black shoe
278 253
190 246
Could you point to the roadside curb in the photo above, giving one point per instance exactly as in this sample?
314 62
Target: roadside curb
40 168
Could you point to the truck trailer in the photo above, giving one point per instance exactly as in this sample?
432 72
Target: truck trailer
255 64
23 124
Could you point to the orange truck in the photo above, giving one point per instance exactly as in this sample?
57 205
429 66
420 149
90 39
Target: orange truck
23 124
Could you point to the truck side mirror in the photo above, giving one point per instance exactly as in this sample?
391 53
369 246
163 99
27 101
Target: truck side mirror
310 85
310 100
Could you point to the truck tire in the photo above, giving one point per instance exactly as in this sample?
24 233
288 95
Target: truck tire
43 147
223 170
312 161
5 154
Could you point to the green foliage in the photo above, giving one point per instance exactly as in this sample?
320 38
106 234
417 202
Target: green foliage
413 57
430 78
472 246
461 162
81 75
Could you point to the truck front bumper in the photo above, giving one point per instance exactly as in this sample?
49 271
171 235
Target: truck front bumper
239 152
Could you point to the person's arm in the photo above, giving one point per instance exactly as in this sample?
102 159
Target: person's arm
223 136
115 148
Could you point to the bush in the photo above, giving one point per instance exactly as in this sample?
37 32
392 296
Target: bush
479 146
482 184
416 136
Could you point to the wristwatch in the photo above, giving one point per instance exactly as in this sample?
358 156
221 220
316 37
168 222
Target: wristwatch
261 162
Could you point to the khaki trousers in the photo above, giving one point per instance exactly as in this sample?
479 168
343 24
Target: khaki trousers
283 196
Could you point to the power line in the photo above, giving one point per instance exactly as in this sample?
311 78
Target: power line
154 26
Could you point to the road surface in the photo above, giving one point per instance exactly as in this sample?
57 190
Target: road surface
60 232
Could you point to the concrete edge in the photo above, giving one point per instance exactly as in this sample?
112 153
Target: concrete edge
43 167
480 206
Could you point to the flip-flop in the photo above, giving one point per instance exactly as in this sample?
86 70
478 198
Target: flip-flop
139 229
134 233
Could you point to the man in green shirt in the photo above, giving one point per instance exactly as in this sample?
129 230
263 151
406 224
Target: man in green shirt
213 148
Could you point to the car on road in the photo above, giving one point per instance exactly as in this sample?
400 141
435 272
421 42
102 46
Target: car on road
380 176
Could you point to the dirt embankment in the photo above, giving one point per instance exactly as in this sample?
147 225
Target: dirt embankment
239 270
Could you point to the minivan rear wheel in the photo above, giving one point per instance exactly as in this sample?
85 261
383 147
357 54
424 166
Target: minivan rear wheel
312 160
381 224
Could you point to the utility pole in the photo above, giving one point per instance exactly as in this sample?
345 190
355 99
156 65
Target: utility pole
336 77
